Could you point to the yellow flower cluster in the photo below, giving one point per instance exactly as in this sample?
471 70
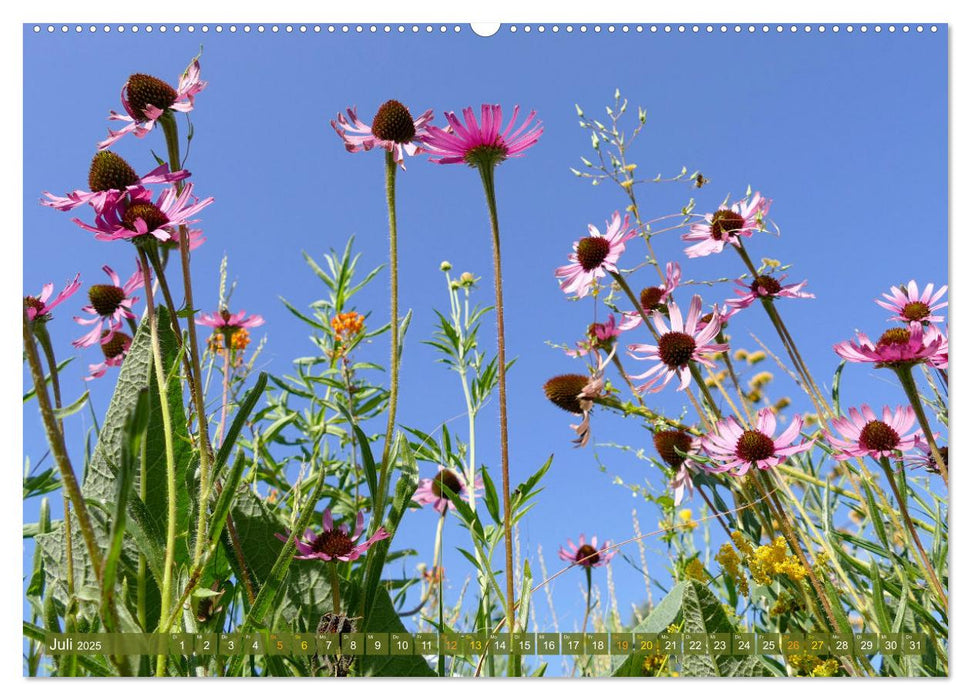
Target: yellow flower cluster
731 566
764 563
813 666
655 663
773 560
696 570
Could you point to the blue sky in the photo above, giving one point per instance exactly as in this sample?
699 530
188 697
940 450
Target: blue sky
847 133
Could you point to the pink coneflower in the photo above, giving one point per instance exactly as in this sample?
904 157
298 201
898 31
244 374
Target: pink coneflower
392 129
594 256
114 351
678 347
430 490
141 217
599 337
482 142
740 449
334 543
146 98
726 225
766 287
228 322
110 179
38 308
897 347
110 303
587 554
911 306
653 298
863 434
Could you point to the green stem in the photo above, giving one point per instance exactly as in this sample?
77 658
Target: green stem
171 130
487 172
55 439
170 495
44 338
705 392
904 374
142 580
438 572
586 613
335 587
905 512
390 171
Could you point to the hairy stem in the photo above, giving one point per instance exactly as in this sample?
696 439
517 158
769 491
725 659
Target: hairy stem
55 439
487 172
170 496
171 130
390 171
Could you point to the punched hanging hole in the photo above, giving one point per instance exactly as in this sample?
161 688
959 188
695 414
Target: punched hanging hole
485 28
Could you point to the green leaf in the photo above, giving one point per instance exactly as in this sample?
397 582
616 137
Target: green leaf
70 410
273 583
662 615
135 427
404 490
704 613
138 373
367 457
491 497
239 421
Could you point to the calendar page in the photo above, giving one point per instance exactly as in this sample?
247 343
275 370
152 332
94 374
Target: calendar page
553 350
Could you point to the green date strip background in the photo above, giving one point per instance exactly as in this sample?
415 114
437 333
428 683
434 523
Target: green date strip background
531 643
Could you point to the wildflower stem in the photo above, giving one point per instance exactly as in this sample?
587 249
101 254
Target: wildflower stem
904 374
44 338
167 428
780 514
487 172
438 572
588 570
153 256
335 587
171 131
706 394
630 385
390 170
646 413
224 411
767 303
55 439
905 512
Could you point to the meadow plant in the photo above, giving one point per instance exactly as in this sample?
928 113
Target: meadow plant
215 498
